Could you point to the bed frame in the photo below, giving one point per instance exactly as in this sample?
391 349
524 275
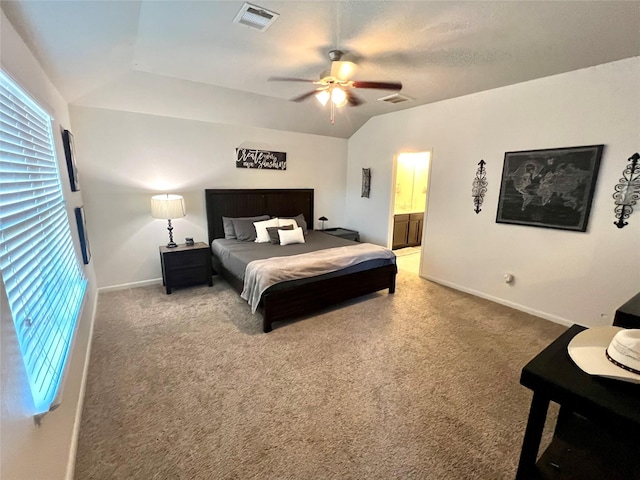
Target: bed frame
297 300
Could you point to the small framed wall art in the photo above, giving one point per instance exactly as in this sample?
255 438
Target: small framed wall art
70 154
550 188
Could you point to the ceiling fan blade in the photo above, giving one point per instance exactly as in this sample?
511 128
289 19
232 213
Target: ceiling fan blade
290 79
304 96
378 85
353 100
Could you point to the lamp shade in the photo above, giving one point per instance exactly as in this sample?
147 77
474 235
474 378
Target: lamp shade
167 206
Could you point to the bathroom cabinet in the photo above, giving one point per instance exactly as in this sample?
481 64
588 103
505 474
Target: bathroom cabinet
407 230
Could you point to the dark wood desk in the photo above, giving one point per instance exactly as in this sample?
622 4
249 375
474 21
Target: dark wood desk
628 315
609 406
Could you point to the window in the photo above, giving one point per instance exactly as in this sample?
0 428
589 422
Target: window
43 279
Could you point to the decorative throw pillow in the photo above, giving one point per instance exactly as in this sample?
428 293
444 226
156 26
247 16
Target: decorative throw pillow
262 235
273 233
300 221
245 231
287 237
227 224
290 222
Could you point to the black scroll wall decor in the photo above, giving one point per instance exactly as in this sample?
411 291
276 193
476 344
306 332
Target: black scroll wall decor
479 187
627 191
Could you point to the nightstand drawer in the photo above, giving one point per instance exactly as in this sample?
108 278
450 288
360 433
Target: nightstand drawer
186 259
188 276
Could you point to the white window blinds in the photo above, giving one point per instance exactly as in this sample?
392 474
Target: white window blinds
44 282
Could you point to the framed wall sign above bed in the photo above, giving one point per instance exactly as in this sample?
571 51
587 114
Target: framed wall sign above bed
264 159
370 269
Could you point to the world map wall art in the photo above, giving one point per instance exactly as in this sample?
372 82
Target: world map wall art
550 188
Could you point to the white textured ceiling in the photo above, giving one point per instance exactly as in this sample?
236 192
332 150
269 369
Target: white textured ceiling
438 50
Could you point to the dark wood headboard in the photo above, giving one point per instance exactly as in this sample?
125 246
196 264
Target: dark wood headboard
250 203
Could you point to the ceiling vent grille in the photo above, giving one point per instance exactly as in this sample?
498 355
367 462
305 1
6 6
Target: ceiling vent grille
395 98
255 17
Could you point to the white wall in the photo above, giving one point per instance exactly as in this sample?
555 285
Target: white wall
48 451
569 277
124 158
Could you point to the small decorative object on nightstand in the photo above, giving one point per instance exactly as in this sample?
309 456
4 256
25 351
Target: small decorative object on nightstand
323 219
344 233
185 265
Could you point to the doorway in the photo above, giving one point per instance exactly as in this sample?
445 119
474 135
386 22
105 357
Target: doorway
408 206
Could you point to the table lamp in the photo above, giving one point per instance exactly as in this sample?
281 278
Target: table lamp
323 219
166 207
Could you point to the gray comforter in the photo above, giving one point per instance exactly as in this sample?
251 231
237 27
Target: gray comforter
236 255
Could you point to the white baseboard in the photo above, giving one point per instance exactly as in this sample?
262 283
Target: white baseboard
124 286
71 461
517 306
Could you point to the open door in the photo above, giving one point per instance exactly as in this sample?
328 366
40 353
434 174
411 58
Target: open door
408 203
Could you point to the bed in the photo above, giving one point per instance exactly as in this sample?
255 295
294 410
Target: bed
298 297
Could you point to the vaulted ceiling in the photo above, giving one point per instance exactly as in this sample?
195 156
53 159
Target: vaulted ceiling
113 53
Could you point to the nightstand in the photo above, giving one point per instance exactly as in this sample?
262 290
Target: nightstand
186 265
343 233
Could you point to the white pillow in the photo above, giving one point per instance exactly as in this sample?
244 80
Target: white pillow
262 235
288 237
285 222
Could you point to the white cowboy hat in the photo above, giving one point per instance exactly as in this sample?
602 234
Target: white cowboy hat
611 352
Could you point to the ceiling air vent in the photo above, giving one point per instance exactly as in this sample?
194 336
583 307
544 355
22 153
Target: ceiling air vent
255 17
395 98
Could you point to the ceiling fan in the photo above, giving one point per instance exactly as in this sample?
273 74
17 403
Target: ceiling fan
336 84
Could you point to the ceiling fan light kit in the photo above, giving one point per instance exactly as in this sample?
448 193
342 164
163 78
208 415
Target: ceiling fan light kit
336 85
342 71
323 97
338 97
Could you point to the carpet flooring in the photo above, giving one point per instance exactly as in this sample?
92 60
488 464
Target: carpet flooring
422 384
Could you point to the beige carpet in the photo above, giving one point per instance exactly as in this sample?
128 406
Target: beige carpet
423 384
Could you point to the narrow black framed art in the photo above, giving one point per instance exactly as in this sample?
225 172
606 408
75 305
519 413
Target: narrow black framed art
82 233
70 154
550 188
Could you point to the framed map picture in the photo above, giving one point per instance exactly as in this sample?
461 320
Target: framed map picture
549 188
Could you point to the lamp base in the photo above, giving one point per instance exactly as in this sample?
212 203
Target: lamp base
171 243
